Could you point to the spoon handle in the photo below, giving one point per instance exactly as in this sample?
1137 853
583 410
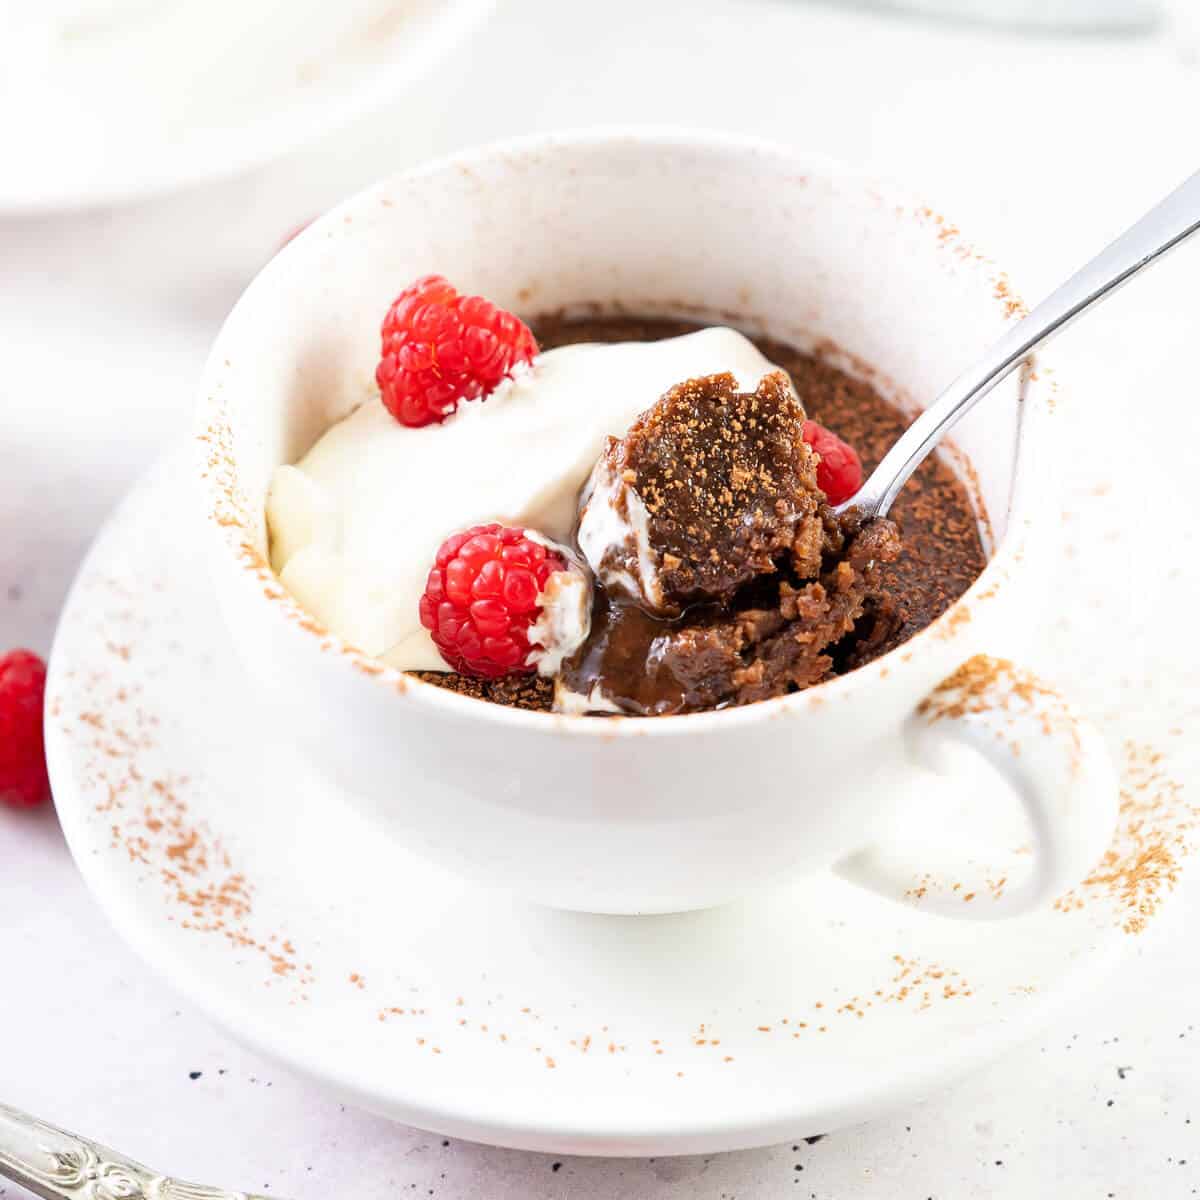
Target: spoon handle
1165 226
58 1165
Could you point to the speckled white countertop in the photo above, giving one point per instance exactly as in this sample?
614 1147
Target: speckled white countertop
1040 147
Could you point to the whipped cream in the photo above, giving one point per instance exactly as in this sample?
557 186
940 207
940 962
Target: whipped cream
613 518
355 524
576 704
565 620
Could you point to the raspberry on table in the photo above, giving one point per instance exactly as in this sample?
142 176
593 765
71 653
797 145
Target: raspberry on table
839 473
23 779
440 347
482 597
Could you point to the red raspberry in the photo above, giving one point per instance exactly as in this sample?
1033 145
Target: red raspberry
440 348
839 473
23 779
482 597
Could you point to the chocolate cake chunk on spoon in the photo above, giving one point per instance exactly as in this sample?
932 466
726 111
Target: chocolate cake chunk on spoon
723 576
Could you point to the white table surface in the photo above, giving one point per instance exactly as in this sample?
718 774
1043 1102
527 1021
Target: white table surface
1040 147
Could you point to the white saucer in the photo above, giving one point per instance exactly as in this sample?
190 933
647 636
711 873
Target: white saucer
267 902
105 102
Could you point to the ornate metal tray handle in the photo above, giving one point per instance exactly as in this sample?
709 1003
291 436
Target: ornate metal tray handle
57 1165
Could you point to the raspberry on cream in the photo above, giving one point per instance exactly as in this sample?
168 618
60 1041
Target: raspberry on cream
504 601
441 348
356 523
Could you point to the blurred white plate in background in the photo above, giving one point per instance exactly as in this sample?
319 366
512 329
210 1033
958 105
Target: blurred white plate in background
108 100
1081 16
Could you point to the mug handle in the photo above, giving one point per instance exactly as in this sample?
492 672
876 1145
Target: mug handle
1055 762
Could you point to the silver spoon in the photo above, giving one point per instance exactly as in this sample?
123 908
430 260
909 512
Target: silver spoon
57 1165
1164 227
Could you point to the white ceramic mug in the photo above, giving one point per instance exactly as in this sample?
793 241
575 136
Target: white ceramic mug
629 815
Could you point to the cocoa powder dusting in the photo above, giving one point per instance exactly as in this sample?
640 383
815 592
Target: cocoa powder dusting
147 814
1155 825
986 684
1155 833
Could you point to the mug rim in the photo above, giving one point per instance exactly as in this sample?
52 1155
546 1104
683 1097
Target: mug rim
214 434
